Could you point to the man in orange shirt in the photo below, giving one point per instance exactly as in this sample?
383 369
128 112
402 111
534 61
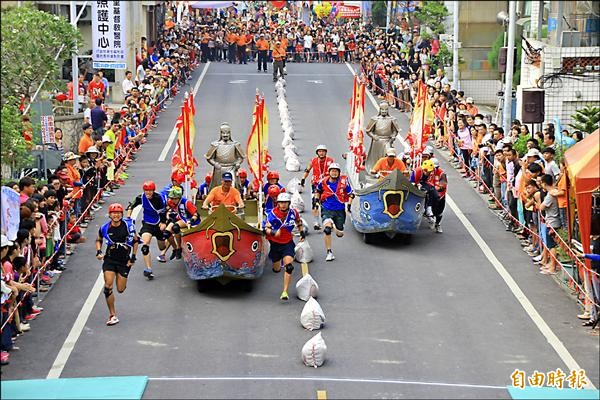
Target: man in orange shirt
231 39
241 48
263 52
278 59
385 165
86 140
224 194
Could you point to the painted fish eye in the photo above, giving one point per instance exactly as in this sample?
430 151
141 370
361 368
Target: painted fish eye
418 207
367 205
189 247
255 245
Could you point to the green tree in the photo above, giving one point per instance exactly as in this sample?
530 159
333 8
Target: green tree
492 56
30 41
379 12
586 119
432 15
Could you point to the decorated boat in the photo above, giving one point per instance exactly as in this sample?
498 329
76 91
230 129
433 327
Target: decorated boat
390 204
225 246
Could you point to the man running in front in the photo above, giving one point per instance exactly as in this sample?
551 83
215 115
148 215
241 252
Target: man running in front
278 227
121 246
334 192
154 222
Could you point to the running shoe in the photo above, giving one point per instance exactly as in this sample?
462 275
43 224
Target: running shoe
284 296
438 229
179 254
330 256
149 274
30 317
112 320
538 258
38 308
161 258
4 358
317 226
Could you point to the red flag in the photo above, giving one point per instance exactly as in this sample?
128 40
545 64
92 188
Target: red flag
421 121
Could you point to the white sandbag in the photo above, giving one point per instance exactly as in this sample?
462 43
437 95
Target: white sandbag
292 164
283 83
286 125
292 147
289 152
297 202
314 351
294 185
304 254
312 316
296 231
278 84
286 140
290 132
307 287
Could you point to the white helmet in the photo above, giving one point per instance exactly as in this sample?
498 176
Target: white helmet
428 150
334 166
321 147
436 162
282 197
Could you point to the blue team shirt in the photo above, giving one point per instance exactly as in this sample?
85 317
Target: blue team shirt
332 202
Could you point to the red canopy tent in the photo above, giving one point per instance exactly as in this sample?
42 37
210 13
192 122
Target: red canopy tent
583 167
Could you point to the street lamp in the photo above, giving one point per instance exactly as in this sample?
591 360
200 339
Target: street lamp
510 19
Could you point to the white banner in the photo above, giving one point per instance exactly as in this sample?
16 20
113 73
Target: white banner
47 122
109 31
10 212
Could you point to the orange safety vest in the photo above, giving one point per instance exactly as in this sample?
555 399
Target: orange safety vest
279 53
340 192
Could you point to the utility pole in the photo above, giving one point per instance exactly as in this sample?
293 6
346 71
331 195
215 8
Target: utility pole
74 60
388 14
455 71
510 61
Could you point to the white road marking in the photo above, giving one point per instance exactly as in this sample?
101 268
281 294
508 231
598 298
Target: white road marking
389 340
165 150
397 362
239 81
537 319
151 343
318 379
260 355
79 324
315 81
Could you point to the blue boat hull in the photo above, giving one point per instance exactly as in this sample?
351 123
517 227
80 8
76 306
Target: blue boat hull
371 214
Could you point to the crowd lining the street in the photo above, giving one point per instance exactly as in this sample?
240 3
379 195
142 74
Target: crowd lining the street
529 189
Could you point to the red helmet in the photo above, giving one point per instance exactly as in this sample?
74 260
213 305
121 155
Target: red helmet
208 178
149 185
274 191
272 175
115 207
178 177
242 173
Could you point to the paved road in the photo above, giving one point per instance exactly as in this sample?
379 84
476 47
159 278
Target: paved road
429 319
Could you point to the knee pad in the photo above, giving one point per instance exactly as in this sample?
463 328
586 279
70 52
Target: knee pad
327 230
166 235
289 268
315 203
176 229
107 292
145 249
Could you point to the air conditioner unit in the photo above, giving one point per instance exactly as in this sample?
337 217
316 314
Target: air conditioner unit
87 14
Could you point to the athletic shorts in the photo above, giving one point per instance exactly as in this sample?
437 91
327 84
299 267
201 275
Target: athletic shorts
280 250
154 230
112 266
338 217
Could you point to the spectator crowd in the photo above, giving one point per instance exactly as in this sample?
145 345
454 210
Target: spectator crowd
526 184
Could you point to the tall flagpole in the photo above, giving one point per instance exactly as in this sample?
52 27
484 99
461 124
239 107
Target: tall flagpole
186 138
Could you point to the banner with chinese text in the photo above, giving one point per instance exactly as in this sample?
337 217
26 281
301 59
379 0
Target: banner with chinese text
109 31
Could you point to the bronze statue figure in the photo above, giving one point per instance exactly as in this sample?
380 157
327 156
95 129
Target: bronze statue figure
383 129
225 155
